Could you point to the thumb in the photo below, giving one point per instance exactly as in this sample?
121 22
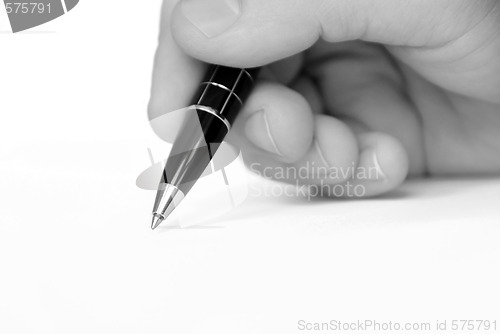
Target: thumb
244 33
247 33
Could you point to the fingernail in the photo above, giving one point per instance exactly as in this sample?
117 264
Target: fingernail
211 17
369 167
258 131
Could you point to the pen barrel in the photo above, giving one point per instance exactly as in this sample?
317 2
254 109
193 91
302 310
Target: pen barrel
224 90
218 101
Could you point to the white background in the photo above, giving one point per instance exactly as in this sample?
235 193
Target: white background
77 254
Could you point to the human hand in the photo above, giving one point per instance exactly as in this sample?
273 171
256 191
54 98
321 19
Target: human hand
405 87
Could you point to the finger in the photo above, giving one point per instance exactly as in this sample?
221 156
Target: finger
452 43
340 164
175 74
380 165
383 166
275 29
305 86
287 70
276 123
361 85
334 148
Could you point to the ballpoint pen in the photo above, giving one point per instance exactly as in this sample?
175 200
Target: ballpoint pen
216 104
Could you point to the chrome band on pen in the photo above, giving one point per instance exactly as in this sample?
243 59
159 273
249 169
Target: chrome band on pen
224 88
215 113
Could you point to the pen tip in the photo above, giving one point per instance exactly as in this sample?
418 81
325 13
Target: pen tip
156 221
167 199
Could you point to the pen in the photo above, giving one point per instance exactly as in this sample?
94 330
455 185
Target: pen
219 99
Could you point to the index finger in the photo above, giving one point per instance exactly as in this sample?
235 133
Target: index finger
175 74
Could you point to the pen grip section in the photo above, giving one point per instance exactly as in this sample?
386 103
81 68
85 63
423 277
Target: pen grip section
225 90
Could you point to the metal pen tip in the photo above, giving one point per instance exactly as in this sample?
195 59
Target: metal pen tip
156 221
167 199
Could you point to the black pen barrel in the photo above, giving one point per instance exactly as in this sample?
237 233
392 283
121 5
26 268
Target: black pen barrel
217 103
